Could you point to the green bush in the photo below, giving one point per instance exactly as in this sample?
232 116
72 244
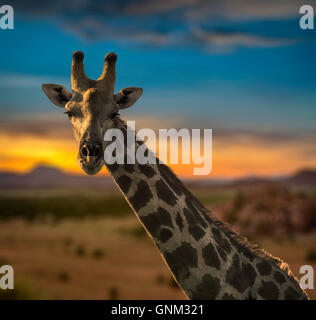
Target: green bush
34 208
22 291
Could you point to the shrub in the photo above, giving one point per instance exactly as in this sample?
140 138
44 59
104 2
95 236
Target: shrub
160 279
98 253
239 201
231 216
63 276
113 293
80 251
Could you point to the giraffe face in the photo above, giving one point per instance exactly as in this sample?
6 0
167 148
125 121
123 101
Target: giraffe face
91 114
92 108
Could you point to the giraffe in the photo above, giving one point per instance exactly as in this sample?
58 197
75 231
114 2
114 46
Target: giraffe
207 259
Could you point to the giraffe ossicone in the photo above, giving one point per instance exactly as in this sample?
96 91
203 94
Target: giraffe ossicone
207 259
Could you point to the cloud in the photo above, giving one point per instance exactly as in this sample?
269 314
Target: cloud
40 126
164 22
190 9
92 29
245 10
217 41
28 140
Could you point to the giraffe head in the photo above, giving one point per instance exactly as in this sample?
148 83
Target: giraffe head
92 108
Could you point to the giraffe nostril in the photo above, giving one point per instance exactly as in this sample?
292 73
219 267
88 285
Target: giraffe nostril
84 151
91 150
98 151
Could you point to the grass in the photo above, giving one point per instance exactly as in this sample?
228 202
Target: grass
73 206
22 291
215 197
137 232
90 254
115 265
133 269
54 207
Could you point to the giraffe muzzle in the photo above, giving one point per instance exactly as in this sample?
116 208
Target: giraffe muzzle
91 158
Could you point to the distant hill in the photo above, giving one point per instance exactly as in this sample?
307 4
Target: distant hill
52 177
47 172
300 179
303 178
250 181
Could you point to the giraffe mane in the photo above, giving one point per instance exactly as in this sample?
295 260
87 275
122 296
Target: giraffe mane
240 240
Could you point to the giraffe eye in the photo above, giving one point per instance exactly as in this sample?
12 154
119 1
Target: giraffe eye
113 116
69 114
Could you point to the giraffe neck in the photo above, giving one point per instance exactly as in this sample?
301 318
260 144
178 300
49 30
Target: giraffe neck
206 258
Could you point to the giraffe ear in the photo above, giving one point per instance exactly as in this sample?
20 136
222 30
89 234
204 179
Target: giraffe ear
57 94
128 96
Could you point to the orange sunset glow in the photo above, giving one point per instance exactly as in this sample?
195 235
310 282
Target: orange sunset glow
233 157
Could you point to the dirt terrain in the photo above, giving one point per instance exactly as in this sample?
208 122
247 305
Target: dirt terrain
101 256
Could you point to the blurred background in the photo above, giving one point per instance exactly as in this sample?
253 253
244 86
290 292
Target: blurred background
243 68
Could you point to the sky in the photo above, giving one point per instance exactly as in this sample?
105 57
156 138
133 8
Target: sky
243 68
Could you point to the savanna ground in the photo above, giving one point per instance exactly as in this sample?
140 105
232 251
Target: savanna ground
89 245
